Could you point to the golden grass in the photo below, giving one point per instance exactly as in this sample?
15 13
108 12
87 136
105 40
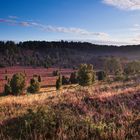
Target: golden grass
98 90
104 103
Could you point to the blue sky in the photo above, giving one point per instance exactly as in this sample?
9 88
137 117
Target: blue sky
96 21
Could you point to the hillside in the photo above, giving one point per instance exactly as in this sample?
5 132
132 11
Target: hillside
101 112
61 54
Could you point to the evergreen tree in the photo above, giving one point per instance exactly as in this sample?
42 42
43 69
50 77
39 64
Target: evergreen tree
17 83
34 86
86 75
59 82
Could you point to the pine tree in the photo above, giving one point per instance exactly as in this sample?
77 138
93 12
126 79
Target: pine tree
59 82
86 75
17 83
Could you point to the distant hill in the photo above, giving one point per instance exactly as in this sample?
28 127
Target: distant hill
62 54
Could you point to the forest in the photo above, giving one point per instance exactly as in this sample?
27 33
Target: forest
61 54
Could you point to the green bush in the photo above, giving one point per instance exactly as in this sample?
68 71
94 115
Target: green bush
101 75
17 83
86 75
34 86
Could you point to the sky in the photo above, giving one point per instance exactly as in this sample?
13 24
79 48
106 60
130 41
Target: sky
115 22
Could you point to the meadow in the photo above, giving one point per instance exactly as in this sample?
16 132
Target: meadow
103 111
46 74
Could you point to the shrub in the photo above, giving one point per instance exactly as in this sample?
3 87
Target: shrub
17 83
42 124
7 89
119 76
74 78
59 82
86 75
39 78
132 68
112 65
65 80
34 86
101 75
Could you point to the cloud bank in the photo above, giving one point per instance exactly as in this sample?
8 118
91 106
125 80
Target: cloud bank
124 4
85 35
50 28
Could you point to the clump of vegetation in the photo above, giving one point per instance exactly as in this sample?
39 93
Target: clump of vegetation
17 83
7 89
132 68
101 75
86 75
65 80
39 78
74 78
112 116
119 76
34 86
59 82
112 65
48 124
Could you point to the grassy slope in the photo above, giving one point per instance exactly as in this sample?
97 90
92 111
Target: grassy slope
108 111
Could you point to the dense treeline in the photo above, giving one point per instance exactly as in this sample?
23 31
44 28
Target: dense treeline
63 53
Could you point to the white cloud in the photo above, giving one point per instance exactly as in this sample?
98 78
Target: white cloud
49 28
124 4
82 34
73 30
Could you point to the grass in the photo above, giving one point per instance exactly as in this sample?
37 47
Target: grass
100 112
